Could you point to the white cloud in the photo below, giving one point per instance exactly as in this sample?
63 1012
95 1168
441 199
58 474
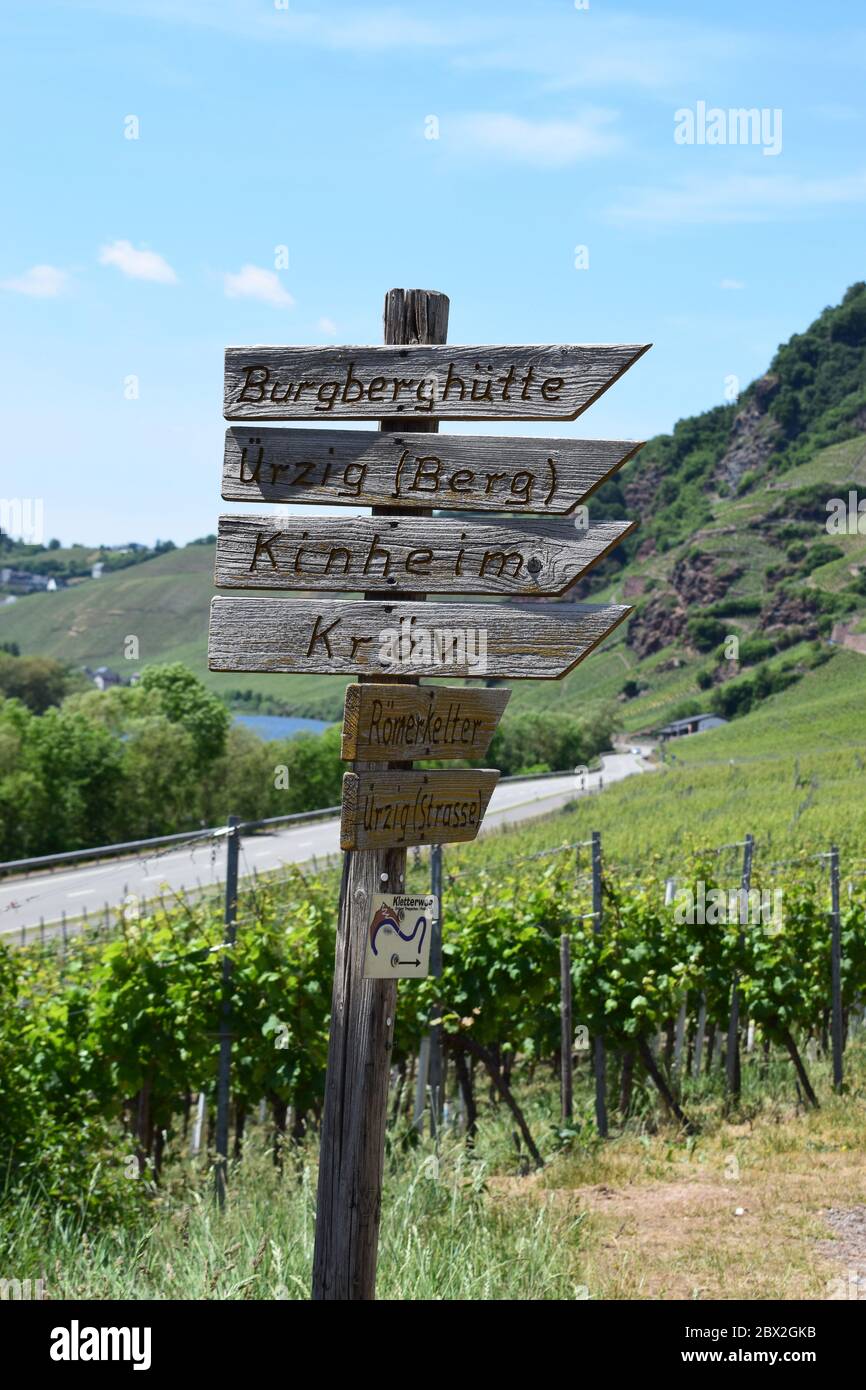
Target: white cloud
40 282
548 144
362 29
738 198
561 47
732 285
253 282
580 51
327 326
837 111
137 264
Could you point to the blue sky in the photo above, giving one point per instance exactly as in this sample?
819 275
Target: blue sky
306 127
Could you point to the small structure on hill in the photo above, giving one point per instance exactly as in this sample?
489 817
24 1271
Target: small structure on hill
695 724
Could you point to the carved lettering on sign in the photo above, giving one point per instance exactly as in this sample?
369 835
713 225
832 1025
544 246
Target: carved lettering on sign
379 553
458 472
402 722
259 383
487 383
414 808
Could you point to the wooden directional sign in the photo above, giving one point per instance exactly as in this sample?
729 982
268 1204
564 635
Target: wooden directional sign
388 808
396 723
406 387
346 637
421 382
454 472
382 553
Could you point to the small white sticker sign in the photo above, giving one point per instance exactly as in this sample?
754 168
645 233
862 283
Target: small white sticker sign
398 936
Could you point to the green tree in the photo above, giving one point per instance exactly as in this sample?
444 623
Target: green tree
185 701
38 681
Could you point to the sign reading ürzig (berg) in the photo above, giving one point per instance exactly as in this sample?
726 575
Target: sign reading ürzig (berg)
457 472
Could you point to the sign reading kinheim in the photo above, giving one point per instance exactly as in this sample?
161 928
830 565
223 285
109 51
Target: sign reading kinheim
434 552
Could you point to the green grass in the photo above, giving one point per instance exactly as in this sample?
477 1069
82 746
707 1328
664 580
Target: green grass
442 1235
466 1224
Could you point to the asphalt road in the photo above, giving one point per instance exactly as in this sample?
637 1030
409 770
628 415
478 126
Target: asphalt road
91 887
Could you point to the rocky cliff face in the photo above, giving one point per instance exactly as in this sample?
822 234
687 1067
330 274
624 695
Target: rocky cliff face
659 623
754 434
698 582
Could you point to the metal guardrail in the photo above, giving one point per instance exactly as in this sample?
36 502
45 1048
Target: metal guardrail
45 861
72 856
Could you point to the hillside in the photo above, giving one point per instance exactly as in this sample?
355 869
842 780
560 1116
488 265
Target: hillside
792 773
164 602
732 542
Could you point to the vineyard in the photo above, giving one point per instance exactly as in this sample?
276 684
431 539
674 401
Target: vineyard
108 1040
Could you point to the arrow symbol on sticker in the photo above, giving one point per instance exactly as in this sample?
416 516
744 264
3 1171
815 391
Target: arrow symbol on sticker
396 961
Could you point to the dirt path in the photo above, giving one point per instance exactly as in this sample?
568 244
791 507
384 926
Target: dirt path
775 1209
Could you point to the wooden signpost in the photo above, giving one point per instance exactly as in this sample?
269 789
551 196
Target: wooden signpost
392 637
421 381
345 637
414 808
460 472
401 722
264 552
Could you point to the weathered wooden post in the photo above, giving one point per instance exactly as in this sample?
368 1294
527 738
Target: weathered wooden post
732 1064
836 969
598 1052
700 1030
437 1059
680 1035
198 1125
225 1035
566 1029
362 1010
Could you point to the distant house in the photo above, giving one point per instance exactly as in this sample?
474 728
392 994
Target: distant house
103 677
844 637
695 724
25 582
96 570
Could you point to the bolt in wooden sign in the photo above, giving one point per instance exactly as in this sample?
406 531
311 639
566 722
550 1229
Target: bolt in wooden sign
392 637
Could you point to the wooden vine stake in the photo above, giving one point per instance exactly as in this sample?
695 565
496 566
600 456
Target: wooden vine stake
349 1199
